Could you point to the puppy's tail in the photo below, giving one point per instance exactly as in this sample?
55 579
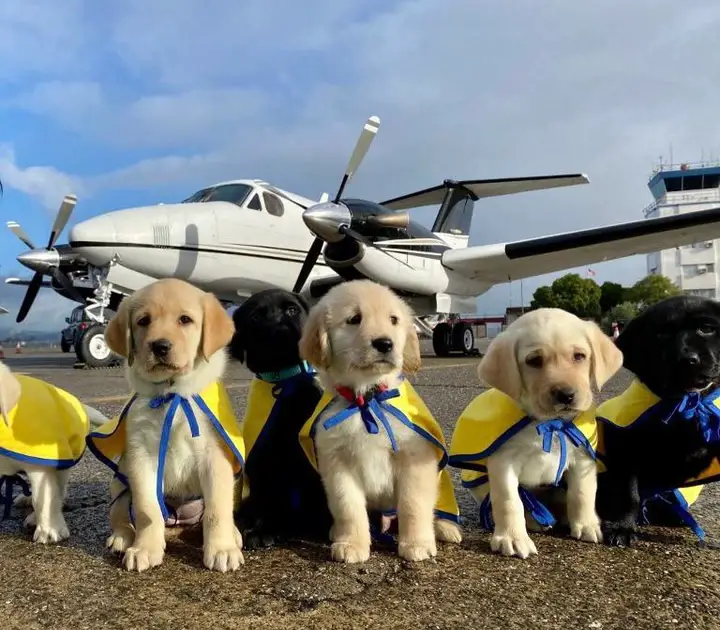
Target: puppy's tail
94 416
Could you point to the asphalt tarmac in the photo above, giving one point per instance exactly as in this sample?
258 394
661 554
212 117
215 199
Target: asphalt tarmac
665 581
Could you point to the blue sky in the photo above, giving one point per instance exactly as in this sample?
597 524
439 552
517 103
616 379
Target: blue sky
147 100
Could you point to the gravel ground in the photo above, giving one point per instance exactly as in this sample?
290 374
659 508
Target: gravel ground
665 581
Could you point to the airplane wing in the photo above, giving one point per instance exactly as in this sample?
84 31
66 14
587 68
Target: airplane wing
3 310
484 188
45 284
502 262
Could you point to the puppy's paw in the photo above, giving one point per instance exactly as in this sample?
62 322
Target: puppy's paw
52 532
349 552
447 531
619 534
120 541
259 539
30 521
416 550
587 531
142 558
223 556
510 543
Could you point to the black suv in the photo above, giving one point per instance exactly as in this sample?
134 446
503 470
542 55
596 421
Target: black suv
77 323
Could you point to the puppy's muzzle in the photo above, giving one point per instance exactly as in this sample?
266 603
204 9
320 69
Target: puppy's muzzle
563 396
161 348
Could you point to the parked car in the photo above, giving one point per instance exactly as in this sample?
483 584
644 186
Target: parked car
87 338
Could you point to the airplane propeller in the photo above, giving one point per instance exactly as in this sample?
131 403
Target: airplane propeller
45 261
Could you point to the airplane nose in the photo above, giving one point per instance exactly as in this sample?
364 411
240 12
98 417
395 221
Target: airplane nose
325 220
93 231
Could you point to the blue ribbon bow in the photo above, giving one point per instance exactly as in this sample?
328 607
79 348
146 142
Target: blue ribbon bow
531 503
175 400
678 505
7 483
693 406
561 429
372 411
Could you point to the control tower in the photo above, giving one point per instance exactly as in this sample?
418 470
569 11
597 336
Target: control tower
680 188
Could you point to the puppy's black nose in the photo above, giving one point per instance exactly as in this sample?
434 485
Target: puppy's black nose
563 395
690 358
160 347
382 344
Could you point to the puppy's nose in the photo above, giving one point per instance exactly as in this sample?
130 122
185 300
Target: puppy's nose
563 395
382 344
690 358
160 347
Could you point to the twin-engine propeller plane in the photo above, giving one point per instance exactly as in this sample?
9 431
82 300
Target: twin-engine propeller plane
235 238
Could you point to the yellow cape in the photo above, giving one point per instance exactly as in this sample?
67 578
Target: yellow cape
624 410
47 427
410 409
107 442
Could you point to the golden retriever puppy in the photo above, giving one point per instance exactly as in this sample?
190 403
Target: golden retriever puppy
177 437
42 434
536 427
372 439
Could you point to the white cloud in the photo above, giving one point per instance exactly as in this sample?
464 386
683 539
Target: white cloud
45 183
48 312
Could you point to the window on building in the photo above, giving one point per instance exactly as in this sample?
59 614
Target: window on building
705 293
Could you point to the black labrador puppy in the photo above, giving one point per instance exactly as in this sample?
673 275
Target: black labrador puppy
673 348
287 499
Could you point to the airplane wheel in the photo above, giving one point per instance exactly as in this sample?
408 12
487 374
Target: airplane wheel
441 339
463 338
92 349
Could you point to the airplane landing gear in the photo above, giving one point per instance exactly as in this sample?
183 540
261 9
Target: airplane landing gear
92 350
453 336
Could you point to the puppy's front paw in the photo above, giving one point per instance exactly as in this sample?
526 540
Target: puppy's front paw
349 552
416 551
223 556
510 543
619 534
447 531
142 558
120 541
54 531
587 531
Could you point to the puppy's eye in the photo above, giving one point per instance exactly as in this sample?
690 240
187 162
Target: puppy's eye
393 320
705 330
579 356
185 320
535 361
354 320
292 310
143 321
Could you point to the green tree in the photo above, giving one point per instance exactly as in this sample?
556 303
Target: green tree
651 289
622 312
611 294
580 296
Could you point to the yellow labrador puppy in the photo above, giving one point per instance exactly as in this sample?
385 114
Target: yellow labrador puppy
372 439
177 437
536 427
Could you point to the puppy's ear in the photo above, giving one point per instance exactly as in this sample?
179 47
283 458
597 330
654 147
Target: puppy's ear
237 344
607 358
411 353
304 304
499 367
314 345
9 391
638 345
217 326
118 334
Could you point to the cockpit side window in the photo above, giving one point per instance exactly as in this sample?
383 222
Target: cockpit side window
255 203
273 205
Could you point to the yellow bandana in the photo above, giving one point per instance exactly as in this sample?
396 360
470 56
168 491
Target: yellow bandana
47 427
409 408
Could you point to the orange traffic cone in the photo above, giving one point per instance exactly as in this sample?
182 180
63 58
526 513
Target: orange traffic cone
18 349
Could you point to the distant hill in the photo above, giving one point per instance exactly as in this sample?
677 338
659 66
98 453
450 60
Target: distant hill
12 334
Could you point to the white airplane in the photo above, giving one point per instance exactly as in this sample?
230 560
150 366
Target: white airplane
237 237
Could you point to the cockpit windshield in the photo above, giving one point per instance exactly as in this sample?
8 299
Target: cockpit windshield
233 193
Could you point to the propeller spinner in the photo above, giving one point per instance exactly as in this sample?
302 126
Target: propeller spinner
45 261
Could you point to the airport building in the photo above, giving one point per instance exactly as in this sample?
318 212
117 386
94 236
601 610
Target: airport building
679 188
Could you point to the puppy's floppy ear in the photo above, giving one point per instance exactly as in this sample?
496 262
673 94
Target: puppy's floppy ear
606 359
302 302
237 343
118 334
411 353
499 367
217 326
9 391
638 344
314 345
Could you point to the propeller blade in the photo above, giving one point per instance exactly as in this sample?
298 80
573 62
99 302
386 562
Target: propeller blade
363 144
64 281
15 228
310 260
30 296
62 218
